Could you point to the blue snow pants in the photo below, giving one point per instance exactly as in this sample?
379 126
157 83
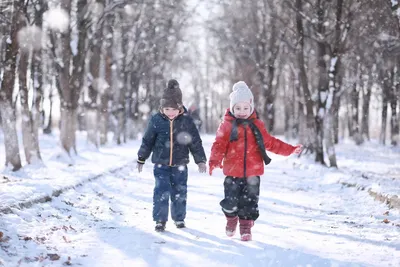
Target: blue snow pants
170 182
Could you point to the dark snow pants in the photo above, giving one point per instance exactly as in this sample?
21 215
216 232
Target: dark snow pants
241 197
170 182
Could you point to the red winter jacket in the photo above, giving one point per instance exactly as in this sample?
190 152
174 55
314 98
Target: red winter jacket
242 158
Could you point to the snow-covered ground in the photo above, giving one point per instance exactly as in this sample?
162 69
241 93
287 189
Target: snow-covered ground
307 218
58 171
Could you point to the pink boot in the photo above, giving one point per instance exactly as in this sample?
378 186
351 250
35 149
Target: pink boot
231 224
245 229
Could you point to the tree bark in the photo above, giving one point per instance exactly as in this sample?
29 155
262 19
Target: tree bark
68 126
7 109
322 87
91 106
366 91
37 74
394 121
386 87
310 118
29 138
49 126
71 84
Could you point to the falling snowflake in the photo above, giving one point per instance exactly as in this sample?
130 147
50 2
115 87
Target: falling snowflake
101 85
181 168
144 108
167 144
128 10
30 37
184 138
57 19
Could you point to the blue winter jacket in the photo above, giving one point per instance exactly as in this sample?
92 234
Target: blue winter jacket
171 140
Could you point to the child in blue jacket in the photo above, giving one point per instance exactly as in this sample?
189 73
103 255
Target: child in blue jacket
170 135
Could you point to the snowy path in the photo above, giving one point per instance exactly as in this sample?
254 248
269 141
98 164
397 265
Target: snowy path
304 222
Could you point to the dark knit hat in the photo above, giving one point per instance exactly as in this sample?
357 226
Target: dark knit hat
172 96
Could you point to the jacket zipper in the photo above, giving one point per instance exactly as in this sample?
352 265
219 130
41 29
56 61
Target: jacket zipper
171 142
245 150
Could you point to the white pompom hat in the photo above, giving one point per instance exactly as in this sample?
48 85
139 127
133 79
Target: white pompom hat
241 93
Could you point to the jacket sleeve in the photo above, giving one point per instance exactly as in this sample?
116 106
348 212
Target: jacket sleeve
148 141
220 144
196 145
274 144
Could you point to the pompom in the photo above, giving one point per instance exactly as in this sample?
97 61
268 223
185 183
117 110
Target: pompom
173 84
240 86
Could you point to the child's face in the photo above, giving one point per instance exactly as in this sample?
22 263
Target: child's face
171 113
242 110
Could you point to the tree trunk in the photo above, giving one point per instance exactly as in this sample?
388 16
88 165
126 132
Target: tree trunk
10 135
387 84
382 135
7 110
104 99
68 119
91 118
394 122
29 139
66 89
95 86
332 108
103 119
104 113
120 86
336 121
348 115
366 91
134 106
288 114
37 74
355 100
310 118
71 84
329 137
37 78
48 128
322 86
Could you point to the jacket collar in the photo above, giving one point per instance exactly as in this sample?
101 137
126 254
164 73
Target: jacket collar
230 117
182 111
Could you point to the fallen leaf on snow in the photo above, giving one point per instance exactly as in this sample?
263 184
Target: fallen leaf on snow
66 240
386 221
68 262
53 257
40 239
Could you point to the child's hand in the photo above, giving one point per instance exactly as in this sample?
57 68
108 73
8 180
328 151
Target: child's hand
139 167
298 149
202 167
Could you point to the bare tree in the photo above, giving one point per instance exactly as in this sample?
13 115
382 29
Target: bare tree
7 107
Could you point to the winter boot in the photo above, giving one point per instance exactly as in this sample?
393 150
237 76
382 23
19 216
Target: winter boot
180 224
231 224
160 226
245 229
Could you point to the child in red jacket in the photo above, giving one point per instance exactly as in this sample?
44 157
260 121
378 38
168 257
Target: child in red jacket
241 141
